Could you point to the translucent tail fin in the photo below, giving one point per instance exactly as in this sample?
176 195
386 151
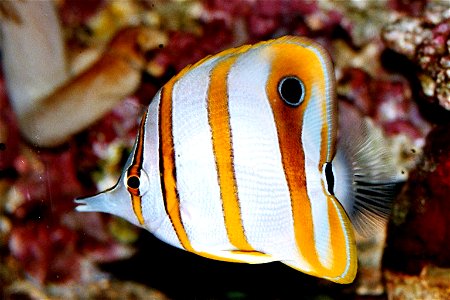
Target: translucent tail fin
367 177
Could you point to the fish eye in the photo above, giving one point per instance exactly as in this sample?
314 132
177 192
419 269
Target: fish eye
137 182
133 182
291 90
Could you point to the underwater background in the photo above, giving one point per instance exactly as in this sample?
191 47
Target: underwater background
392 64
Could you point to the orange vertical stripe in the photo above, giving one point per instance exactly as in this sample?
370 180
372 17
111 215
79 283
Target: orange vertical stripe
219 120
167 153
168 172
135 170
323 136
289 128
341 255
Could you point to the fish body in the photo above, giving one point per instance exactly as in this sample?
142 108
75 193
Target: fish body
235 160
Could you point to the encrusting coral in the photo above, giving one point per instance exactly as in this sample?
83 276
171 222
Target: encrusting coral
44 242
426 41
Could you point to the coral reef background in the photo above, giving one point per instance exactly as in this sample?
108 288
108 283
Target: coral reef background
392 63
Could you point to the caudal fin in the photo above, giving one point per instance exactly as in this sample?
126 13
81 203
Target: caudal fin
367 177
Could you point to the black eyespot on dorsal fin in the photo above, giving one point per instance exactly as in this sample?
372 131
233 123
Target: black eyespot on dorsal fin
133 182
329 176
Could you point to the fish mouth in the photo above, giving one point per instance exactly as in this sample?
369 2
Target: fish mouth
96 203
81 203
87 204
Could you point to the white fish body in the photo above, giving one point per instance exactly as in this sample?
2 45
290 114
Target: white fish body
236 160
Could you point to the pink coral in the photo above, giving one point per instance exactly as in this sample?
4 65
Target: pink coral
388 102
47 248
73 12
9 132
187 48
43 239
426 41
419 233
46 251
51 242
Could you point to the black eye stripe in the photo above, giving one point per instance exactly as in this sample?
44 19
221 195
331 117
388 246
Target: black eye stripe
133 182
292 90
